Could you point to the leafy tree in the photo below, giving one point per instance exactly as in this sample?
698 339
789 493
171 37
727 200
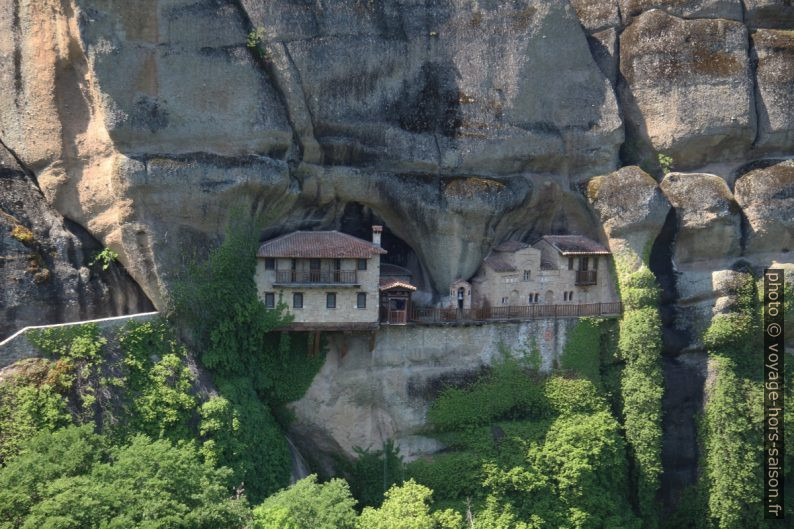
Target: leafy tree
73 479
308 505
408 507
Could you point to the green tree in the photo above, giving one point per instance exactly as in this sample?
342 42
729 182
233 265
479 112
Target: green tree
408 507
73 479
308 505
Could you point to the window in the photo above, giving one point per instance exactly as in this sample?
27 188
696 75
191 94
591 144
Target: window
270 300
297 300
537 296
361 300
595 263
504 301
270 263
570 263
530 298
526 275
361 264
330 300
570 295
565 296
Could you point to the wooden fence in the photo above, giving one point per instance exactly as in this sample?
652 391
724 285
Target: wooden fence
522 312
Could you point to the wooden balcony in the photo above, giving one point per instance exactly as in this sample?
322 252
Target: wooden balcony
586 277
425 315
316 277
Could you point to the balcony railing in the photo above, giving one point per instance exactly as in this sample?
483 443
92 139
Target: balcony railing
321 277
586 277
525 312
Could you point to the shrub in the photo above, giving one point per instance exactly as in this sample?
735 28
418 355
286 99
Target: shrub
507 392
569 396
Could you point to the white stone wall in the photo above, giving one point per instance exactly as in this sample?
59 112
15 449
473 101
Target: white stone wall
314 298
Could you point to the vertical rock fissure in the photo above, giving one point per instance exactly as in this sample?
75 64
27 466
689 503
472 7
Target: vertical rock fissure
683 381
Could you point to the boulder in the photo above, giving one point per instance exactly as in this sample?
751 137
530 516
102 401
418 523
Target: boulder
631 210
708 218
687 90
766 196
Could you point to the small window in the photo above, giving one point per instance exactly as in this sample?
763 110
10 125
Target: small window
504 301
526 275
570 295
570 263
530 298
270 263
330 300
361 264
361 300
565 296
537 296
270 300
297 300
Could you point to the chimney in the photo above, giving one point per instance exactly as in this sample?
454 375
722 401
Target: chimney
376 231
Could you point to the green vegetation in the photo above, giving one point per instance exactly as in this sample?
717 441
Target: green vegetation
548 454
665 163
731 430
30 401
308 504
640 347
105 258
408 507
372 472
582 349
505 393
74 478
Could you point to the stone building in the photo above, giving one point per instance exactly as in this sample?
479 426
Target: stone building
328 280
557 269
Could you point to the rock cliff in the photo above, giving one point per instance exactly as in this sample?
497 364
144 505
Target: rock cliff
455 124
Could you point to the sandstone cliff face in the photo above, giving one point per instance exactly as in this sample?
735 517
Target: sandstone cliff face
45 263
458 125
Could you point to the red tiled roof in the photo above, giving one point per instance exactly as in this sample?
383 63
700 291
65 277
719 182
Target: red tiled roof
498 264
318 244
511 246
575 245
387 283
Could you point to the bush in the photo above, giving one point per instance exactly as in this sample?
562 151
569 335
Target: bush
158 383
26 407
506 393
569 396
